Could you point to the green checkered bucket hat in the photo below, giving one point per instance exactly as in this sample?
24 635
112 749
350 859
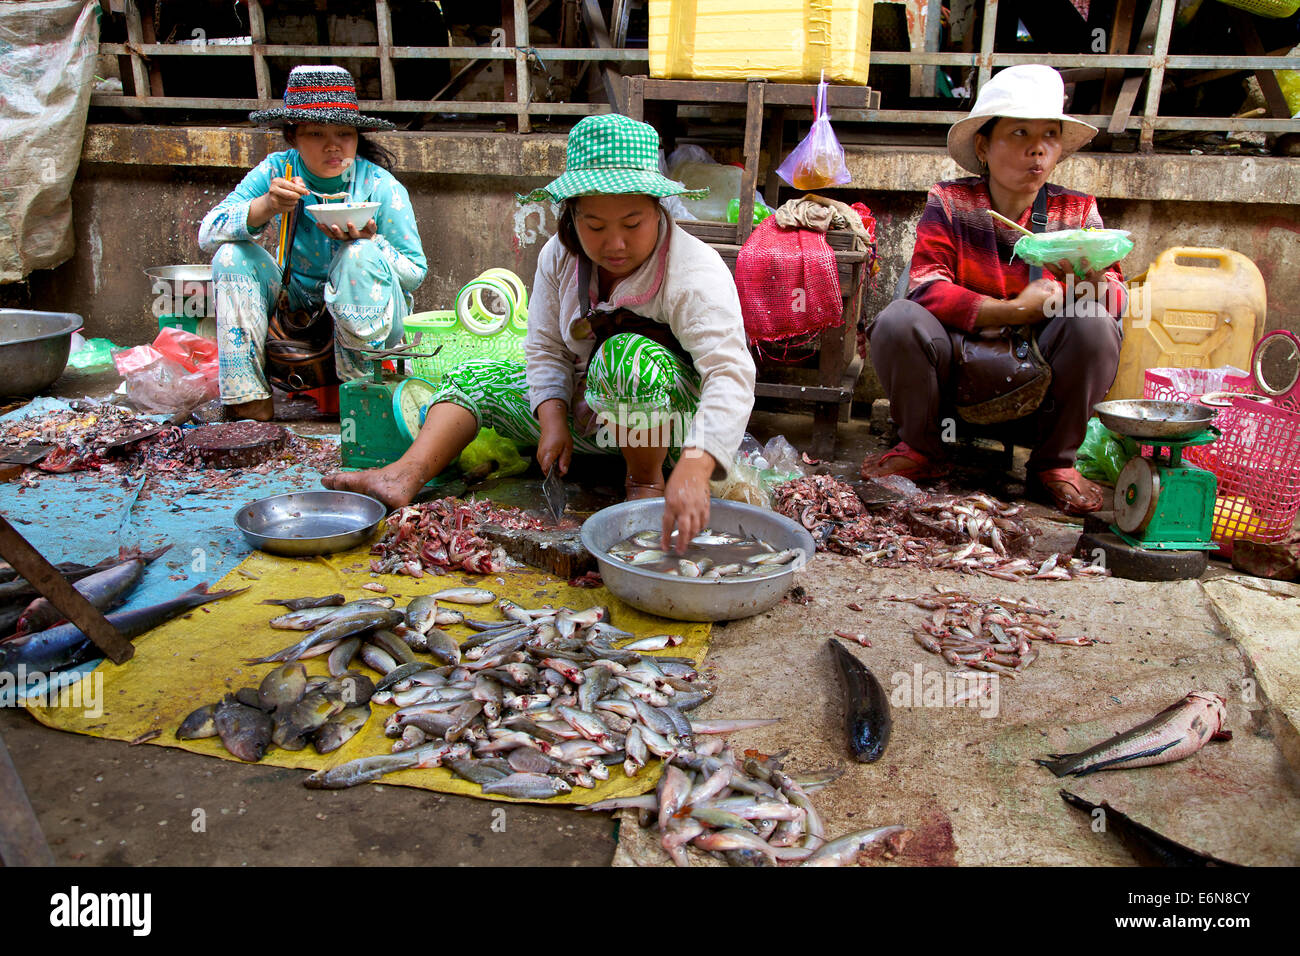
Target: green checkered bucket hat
611 154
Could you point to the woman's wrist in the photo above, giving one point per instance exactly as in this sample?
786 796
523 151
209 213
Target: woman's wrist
260 212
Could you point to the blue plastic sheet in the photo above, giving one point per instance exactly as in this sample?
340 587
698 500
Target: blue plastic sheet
87 516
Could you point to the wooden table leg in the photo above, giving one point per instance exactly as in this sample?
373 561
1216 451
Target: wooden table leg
21 841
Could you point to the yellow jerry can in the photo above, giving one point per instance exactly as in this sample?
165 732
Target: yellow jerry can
1193 308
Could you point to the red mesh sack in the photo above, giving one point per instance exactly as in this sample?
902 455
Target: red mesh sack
788 284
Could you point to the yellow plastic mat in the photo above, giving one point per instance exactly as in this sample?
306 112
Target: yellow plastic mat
195 660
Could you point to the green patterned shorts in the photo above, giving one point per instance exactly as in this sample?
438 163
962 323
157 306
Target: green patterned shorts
632 383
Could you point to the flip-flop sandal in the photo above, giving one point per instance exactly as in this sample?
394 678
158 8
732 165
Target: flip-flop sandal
921 468
1039 490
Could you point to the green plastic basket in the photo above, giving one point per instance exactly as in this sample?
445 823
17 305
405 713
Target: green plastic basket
1266 8
459 344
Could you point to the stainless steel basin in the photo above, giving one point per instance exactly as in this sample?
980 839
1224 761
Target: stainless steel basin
34 349
695 599
305 523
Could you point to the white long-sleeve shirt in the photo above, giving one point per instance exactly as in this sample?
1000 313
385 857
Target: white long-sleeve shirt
685 285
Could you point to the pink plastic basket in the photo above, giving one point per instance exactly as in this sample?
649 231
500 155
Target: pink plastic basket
1256 459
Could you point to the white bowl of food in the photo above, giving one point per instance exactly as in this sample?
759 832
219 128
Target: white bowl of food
342 214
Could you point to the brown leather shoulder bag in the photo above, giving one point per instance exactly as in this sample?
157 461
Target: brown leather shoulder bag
1002 377
299 342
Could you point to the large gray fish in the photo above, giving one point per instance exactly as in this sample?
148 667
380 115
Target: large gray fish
313 617
104 589
1176 732
65 645
362 622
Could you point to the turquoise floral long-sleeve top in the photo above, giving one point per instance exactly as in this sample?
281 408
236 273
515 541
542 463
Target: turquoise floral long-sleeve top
396 232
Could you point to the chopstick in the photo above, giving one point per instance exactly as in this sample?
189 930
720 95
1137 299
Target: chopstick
284 223
1014 225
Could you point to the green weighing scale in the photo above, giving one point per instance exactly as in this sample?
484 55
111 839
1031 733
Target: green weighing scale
1161 502
380 415
1163 507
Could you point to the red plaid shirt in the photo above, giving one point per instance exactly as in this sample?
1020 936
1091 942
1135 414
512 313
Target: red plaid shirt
963 256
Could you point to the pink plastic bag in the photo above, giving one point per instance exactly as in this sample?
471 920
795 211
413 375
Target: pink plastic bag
177 372
818 161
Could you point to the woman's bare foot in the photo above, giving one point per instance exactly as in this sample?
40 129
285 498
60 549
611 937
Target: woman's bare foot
395 485
259 410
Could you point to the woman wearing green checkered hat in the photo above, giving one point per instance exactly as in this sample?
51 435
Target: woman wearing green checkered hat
635 343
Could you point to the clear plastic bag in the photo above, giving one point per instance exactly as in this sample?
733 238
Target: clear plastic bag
1084 249
758 469
818 161
177 372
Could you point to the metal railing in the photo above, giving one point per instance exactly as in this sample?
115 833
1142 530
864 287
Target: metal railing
518 99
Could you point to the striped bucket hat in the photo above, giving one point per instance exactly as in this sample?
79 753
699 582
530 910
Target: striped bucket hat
611 154
320 94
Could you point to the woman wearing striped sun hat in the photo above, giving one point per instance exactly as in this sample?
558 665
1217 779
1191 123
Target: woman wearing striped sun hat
635 344
364 277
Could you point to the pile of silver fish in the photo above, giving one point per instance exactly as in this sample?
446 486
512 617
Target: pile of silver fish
749 811
996 636
710 555
533 704
442 535
839 522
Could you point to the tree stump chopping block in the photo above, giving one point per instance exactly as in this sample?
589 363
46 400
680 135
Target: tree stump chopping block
556 551
236 444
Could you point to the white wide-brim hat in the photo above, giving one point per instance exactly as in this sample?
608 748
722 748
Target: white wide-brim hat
1031 91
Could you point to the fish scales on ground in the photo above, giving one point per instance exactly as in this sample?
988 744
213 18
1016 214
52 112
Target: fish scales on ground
922 533
1178 731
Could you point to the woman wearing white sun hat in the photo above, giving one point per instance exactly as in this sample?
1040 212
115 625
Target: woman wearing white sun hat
963 277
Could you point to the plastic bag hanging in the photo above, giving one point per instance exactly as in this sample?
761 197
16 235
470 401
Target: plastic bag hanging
818 160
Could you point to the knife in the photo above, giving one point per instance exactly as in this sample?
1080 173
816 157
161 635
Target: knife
553 490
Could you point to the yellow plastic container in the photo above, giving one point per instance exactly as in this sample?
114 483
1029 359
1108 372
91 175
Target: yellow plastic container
1197 308
790 41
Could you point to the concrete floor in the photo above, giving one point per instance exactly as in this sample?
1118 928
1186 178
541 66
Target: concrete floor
105 803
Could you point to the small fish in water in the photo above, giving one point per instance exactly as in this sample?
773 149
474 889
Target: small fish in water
1176 732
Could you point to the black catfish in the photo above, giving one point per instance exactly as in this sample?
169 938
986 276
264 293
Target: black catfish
866 706
64 646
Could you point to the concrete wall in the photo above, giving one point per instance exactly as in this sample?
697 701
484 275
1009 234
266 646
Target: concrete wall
141 193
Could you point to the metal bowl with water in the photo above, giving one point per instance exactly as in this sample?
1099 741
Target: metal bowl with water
306 523
34 349
695 599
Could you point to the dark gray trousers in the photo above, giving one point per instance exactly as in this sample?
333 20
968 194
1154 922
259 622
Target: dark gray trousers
912 354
